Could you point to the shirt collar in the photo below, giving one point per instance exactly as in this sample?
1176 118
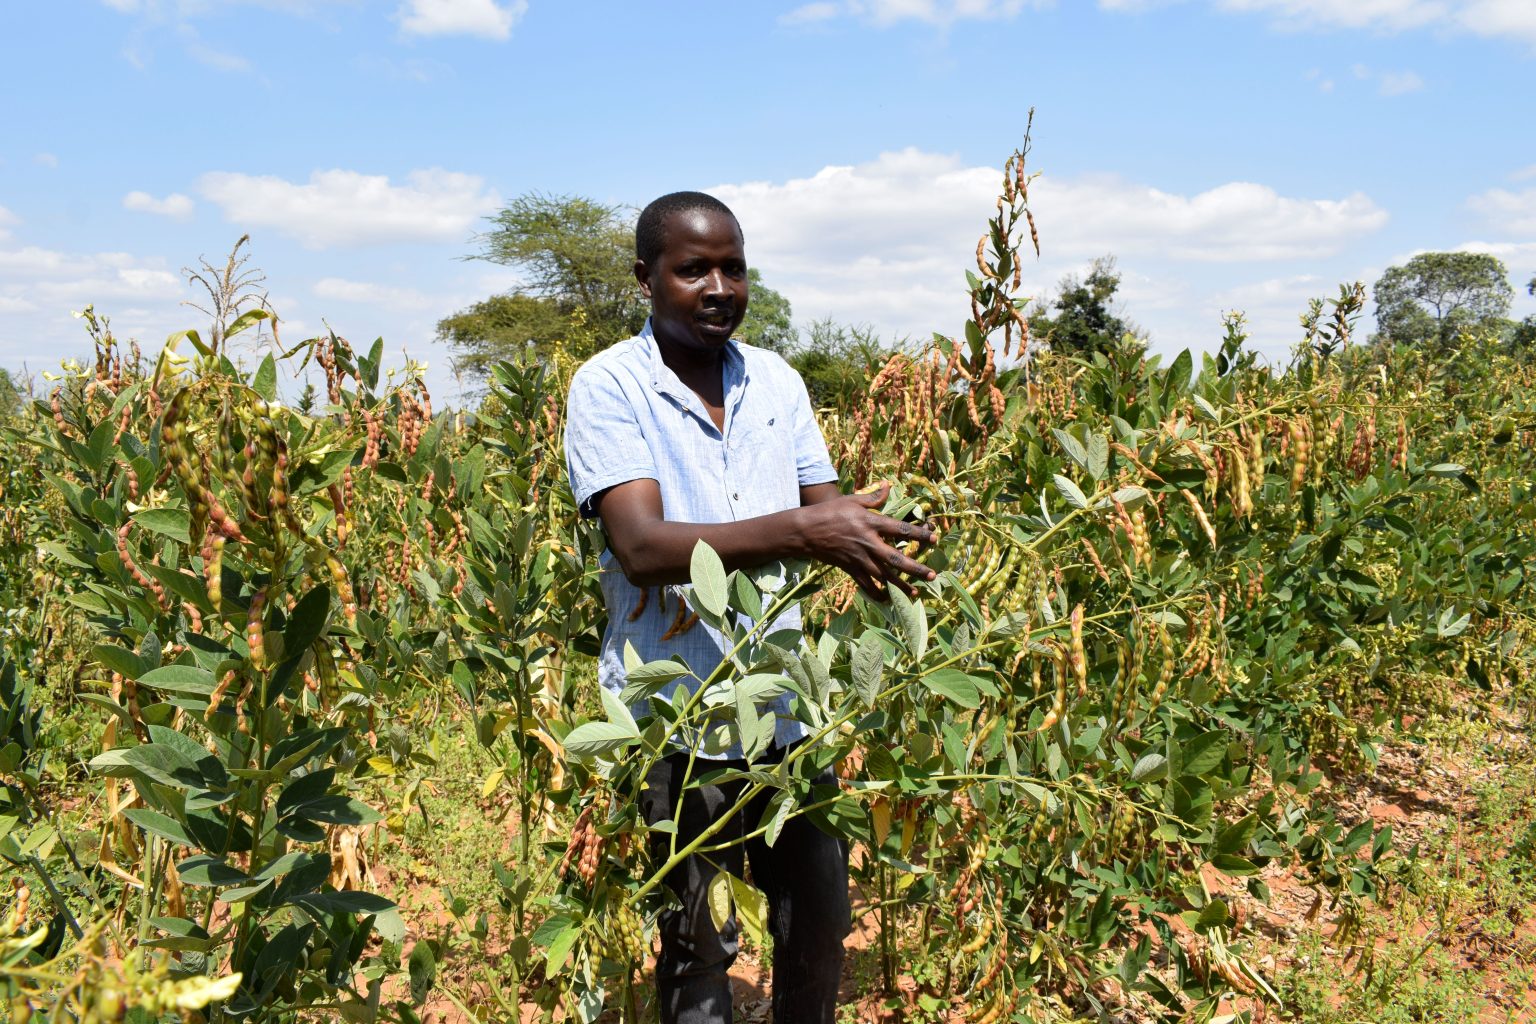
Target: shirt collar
667 383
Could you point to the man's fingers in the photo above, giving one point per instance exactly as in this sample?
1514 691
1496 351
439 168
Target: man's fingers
898 565
870 585
876 497
899 530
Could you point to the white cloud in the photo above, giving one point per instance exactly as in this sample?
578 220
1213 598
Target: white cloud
1510 212
1493 18
46 160
175 206
368 293
810 14
886 242
1389 83
485 18
39 287
1324 83
341 207
1516 256
7 221
889 12
1398 83
1524 174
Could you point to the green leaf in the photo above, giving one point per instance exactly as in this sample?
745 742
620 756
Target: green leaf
1149 768
595 739
180 934
1098 455
306 623
245 320
865 667
954 684
780 809
1237 835
161 825
1203 753
1073 447
748 598
265 381
1177 381
208 872
349 902
192 336
1069 490
180 679
707 573
718 897
558 934
1232 864
175 523
1207 409
337 810
422 967
616 711
644 680
119 659
751 911
911 620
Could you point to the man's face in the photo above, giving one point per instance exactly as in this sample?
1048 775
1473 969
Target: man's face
698 285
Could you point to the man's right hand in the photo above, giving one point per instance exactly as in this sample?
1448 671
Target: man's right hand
846 531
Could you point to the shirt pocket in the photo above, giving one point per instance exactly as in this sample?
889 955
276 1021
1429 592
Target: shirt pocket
765 450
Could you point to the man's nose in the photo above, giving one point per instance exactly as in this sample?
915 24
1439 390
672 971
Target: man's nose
715 283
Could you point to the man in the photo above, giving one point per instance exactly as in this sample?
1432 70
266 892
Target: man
683 434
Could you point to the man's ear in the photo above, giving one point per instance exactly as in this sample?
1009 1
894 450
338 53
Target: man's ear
643 275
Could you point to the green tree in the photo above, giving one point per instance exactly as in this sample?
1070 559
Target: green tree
511 326
1436 295
1524 336
835 361
579 294
10 394
1084 320
768 323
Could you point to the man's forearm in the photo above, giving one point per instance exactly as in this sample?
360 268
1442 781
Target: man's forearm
661 552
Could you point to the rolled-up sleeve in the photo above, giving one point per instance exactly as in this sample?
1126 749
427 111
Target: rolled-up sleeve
604 444
812 463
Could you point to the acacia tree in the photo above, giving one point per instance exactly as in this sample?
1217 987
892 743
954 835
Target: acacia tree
10 394
579 294
1084 320
1436 295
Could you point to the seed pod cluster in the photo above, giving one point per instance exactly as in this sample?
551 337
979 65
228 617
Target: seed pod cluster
963 894
585 849
625 936
1166 672
1299 431
1077 655
1059 705
1200 516
255 629
149 583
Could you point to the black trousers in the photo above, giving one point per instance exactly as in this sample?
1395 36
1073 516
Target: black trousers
804 877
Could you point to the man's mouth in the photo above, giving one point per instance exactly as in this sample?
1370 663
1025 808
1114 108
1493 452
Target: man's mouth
717 319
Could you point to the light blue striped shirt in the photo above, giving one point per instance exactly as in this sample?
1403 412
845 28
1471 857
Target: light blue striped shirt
629 417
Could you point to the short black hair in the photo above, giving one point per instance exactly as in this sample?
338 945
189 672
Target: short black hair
650 233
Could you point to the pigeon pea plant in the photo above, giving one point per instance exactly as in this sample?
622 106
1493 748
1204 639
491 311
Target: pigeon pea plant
1171 597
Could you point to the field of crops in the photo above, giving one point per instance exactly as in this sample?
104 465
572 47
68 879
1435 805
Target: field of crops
298 714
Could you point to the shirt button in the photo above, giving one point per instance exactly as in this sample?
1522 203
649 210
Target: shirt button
735 496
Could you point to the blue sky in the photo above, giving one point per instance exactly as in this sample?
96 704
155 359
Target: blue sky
1231 153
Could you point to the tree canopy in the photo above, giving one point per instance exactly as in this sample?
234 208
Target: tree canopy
1084 320
579 293
10 394
1436 295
